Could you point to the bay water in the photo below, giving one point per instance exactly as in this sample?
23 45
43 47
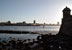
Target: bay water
39 29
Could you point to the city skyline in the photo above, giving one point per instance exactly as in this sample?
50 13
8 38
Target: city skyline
48 11
33 22
24 23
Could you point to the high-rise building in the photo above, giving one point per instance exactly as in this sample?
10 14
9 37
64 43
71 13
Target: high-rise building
34 22
58 23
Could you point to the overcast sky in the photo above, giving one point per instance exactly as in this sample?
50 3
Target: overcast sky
48 11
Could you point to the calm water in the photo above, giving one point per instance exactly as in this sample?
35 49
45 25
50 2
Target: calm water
8 37
30 28
39 29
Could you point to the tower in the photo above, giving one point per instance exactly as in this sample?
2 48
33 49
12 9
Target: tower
66 26
66 12
34 22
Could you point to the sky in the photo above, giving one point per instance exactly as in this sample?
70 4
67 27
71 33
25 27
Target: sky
43 11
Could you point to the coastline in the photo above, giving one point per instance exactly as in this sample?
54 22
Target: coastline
17 32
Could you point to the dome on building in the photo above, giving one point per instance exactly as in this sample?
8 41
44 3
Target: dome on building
66 9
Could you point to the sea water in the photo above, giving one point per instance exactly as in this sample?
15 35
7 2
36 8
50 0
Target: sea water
39 29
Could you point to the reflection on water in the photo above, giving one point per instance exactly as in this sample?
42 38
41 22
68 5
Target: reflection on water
30 28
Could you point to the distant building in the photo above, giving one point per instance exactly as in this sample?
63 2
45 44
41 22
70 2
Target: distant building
58 23
66 26
34 22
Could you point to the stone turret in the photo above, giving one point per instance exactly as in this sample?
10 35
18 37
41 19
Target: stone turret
66 12
66 26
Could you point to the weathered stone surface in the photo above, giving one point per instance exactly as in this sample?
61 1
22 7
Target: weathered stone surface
66 26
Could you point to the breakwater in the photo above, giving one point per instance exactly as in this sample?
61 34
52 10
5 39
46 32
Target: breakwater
17 32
